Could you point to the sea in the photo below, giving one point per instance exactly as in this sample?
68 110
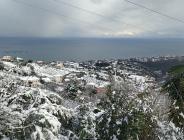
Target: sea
81 49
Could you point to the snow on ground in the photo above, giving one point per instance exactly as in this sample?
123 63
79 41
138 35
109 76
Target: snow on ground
9 64
49 71
94 82
40 107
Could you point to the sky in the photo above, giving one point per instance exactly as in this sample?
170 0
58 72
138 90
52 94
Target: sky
90 18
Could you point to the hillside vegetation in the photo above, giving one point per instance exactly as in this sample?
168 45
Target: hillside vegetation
106 100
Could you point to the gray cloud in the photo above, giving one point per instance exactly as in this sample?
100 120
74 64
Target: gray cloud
55 19
97 1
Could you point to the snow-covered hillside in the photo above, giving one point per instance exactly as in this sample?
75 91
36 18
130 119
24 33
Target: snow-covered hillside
69 100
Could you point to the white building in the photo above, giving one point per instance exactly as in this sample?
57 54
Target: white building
7 58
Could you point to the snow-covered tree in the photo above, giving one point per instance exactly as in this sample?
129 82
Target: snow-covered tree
123 118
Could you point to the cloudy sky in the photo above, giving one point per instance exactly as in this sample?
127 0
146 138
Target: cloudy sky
108 18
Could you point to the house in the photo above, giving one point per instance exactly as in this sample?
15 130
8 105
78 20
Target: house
34 83
40 62
31 81
60 65
58 78
7 58
20 59
101 90
91 85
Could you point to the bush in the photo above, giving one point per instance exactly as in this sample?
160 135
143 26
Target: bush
123 119
175 87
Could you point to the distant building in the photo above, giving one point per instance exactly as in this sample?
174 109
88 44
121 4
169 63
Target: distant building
101 90
60 65
53 63
40 62
91 85
20 59
58 79
31 81
7 58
